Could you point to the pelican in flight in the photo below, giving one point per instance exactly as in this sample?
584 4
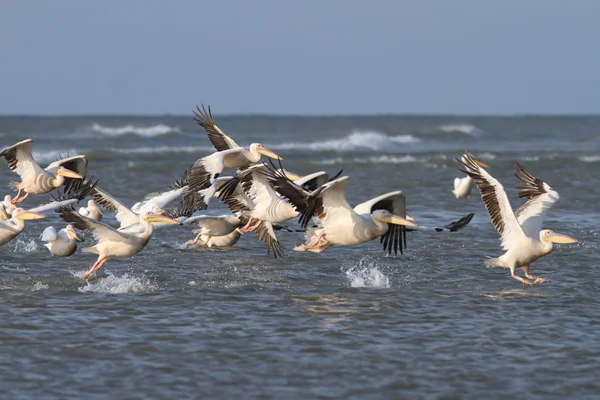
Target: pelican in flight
92 211
523 238
35 179
111 242
229 153
463 186
62 243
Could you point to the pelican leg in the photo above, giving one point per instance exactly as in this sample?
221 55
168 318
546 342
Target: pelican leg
17 199
97 265
536 279
525 282
314 242
195 239
256 225
245 227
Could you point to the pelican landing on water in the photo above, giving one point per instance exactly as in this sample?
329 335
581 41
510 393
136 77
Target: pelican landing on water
523 238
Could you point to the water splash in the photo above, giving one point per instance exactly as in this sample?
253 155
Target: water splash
25 246
366 274
39 286
117 284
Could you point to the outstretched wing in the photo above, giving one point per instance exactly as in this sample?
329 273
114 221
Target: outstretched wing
19 159
217 137
541 197
49 234
495 201
124 215
328 204
100 231
76 164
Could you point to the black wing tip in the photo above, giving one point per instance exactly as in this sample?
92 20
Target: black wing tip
461 223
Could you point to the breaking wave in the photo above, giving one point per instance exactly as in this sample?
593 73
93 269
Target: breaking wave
387 160
117 284
358 140
48 156
467 129
149 131
590 158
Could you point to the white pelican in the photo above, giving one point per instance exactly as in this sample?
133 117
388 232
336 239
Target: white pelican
11 228
522 235
8 204
463 186
229 153
62 243
219 231
340 224
92 211
34 179
111 242
162 198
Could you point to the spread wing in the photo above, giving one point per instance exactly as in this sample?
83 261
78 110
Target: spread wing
495 201
217 137
101 232
124 215
76 164
19 159
541 197
328 204
50 234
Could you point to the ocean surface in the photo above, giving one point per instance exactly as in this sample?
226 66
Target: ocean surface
351 322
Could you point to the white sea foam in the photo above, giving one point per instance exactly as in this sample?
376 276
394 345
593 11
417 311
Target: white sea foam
485 156
467 129
39 286
25 246
384 159
163 149
366 274
358 140
590 158
117 284
49 156
149 131
329 161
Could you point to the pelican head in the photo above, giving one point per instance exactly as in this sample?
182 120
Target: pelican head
553 237
150 216
72 233
67 173
259 148
92 205
24 215
388 217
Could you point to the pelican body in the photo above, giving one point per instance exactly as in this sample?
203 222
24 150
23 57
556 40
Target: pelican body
523 238
62 243
92 211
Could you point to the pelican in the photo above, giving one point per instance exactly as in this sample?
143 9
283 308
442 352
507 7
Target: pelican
8 204
523 238
111 242
34 179
62 243
11 228
160 199
229 153
463 186
219 231
92 211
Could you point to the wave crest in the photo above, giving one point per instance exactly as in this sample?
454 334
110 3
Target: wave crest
467 129
357 140
150 131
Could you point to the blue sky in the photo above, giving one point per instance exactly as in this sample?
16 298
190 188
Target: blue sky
302 57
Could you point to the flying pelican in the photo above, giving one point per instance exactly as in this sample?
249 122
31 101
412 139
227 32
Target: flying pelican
522 235
92 211
111 242
34 179
62 243
463 186
229 153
